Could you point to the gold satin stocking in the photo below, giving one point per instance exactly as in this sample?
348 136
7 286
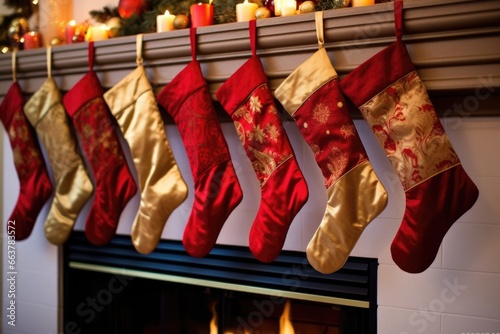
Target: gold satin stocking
73 187
133 104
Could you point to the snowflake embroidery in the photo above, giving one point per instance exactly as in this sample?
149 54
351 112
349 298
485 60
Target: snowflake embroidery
273 132
256 134
321 113
347 130
255 104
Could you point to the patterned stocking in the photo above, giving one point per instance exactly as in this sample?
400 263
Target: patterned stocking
35 186
248 100
97 131
398 109
46 113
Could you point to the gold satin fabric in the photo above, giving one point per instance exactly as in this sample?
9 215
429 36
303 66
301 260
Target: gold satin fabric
353 202
304 81
133 104
409 131
73 186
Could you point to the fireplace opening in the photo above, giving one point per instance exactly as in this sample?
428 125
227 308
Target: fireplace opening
113 289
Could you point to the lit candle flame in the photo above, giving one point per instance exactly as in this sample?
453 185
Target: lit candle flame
167 13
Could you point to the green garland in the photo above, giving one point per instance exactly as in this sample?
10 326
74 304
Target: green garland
224 12
22 9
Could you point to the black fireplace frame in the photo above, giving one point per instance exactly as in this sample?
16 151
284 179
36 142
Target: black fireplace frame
226 267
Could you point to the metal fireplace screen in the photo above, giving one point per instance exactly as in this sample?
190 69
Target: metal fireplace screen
115 289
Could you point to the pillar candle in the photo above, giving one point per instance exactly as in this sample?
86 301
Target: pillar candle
359 3
246 11
288 7
32 40
165 22
277 7
202 14
97 33
70 31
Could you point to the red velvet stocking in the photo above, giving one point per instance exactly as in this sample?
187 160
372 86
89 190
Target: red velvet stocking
217 189
35 186
395 103
96 128
248 100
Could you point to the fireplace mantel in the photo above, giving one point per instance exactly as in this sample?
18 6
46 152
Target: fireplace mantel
455 45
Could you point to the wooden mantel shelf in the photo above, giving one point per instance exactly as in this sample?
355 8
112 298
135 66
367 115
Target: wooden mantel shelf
455 45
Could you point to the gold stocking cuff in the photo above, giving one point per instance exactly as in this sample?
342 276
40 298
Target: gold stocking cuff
305 80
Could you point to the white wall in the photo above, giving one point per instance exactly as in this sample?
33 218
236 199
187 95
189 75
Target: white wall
460 293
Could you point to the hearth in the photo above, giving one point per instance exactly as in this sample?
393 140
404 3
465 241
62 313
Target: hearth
114 289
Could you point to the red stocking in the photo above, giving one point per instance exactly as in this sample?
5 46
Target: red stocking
248 100
217 190
35 186
397 107
97 131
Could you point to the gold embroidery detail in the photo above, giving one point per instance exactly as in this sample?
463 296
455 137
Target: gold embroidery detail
255 104
273 132
257 134
405 123
348 130
337 163
321 113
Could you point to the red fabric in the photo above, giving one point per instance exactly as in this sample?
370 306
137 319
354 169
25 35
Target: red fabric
373 76
431 209
247 99
35 185
96 128
217 189
325 123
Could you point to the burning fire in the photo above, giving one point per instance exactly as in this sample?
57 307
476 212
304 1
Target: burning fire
213 322
286 326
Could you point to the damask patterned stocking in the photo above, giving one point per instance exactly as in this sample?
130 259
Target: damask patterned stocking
35 187
248 100
311 95
133 104
217 189
46 113
97 131
397 107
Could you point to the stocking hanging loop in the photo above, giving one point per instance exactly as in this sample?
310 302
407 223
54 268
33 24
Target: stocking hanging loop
319 29
192 36
252 25
91 55
49 62
14 60
398 18
138 46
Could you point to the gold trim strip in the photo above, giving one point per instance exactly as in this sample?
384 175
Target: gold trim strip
219 285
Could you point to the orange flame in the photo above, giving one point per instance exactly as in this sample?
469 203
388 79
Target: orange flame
286 326
213 322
